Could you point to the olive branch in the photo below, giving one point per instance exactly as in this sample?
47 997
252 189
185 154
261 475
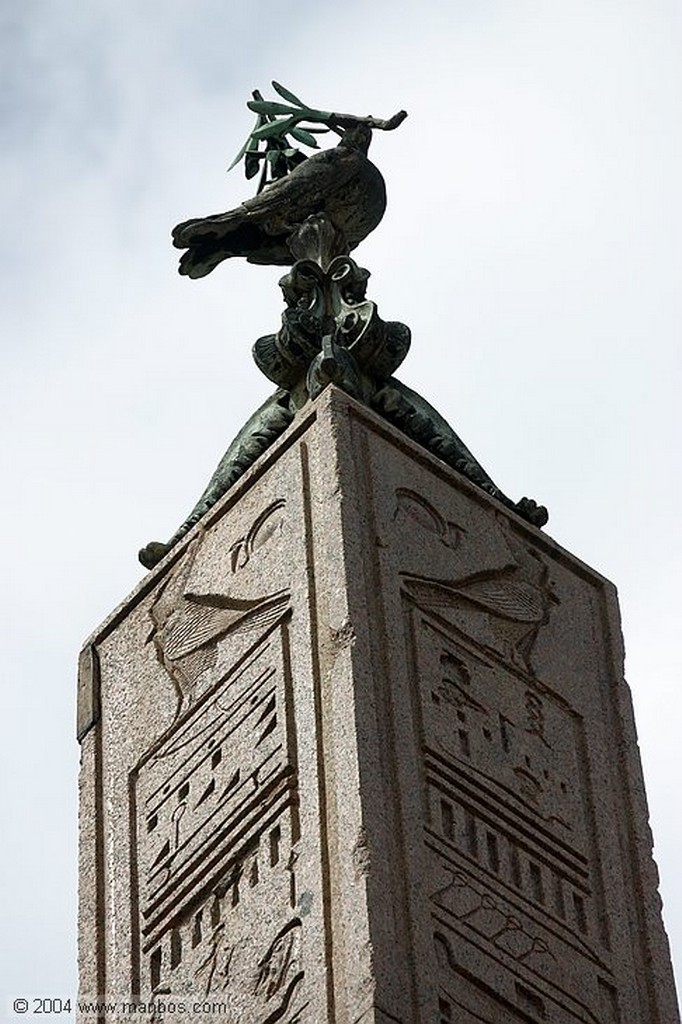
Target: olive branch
277 124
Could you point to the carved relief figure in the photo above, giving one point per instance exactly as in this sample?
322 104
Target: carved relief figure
504 607
279 970
188 625
514 605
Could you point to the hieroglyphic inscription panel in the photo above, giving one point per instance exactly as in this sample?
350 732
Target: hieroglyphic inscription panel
515 884
214 801
507 829
217 823
517 900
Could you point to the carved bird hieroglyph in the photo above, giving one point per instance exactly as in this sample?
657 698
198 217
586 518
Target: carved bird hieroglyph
516 602
188 626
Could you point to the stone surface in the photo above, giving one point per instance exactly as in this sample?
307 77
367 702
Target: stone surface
360 750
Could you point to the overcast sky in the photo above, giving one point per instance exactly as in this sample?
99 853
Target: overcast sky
532 242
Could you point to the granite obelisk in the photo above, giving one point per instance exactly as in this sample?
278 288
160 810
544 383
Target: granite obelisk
359 748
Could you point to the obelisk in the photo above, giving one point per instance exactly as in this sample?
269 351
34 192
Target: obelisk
359 749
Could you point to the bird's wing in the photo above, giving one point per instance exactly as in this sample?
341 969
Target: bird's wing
198 622
292 198
510 599
515 600
306 184
216 224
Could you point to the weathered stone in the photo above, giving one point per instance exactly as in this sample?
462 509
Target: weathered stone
360 751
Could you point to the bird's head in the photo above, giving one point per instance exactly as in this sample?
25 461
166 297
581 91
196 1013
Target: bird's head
357 136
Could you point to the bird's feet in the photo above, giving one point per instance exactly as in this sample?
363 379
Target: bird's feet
533 513
152 553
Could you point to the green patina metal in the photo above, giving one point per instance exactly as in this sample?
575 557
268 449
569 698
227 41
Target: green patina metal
309 213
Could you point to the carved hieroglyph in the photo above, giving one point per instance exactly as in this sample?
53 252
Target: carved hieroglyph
361 751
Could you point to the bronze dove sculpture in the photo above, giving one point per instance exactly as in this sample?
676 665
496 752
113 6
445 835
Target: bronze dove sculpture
309 213
340 183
